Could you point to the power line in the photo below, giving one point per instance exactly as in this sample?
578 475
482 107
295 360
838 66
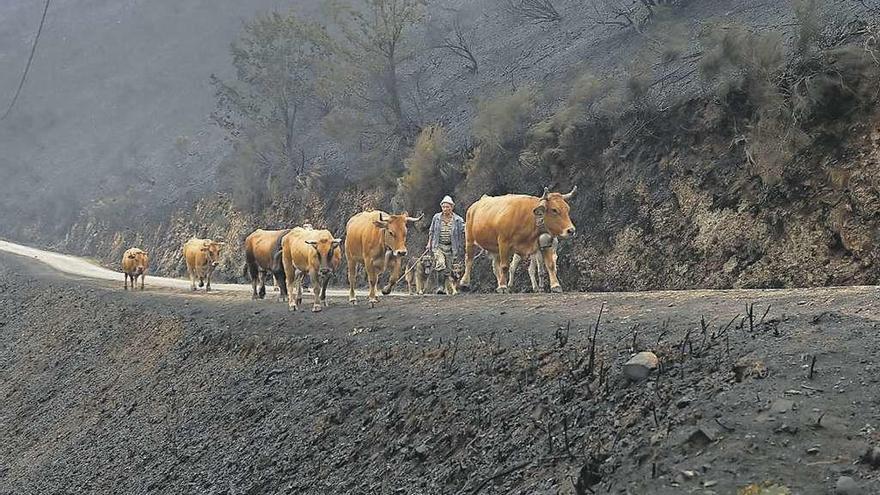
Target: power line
30 59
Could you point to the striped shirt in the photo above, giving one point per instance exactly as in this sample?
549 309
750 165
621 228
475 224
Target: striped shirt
446 231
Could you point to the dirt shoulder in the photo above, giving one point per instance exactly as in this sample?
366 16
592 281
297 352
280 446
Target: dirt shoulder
106 391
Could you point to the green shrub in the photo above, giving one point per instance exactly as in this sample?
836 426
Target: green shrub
502 120
424 183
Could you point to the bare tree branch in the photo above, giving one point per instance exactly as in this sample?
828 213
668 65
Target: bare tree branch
460 43
534 10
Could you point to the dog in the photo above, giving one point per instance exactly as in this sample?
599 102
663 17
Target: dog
420 274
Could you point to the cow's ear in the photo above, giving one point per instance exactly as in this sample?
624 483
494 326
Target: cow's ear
311 243
336 243
204 249
380 223
540 210
131 256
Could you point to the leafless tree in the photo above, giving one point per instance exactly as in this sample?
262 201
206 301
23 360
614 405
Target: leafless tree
534 10
625 13
460 42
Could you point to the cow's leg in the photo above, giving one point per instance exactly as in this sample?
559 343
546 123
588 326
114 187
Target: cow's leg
262 279
352 278
503 266
192 279
514 264
395 276
549 256
291 281
373 269
254 272
316 288
126 281
465 282
281 277
143 277
536 272
325 280
208 280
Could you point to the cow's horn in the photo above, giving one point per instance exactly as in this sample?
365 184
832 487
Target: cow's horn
415 219
546 192
569 195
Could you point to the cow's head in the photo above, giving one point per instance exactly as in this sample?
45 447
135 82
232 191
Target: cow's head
394 231
140 260
212 252
328 252
553 210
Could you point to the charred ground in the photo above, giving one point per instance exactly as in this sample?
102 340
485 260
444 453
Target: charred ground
157 392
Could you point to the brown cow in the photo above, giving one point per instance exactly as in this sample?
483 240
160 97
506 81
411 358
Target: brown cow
202 257
375 239
504 225
315 252
262 254
134 264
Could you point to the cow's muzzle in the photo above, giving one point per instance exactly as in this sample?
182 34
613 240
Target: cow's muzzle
570 232
400 252
326 271
215 264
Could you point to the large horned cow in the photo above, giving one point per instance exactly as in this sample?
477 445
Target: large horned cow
516 224
376 240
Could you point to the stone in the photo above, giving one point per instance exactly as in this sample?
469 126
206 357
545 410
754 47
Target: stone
640 366
781 406
847 486
872 457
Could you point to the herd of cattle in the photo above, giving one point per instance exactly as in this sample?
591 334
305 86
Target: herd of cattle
508 228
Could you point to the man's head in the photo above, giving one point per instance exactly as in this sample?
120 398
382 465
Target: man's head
446 205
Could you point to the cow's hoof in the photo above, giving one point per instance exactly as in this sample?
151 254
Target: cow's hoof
502 290
201 284
254 297
386 290
353 302
293 309
373 303
316 308
464 287
208 289
556 290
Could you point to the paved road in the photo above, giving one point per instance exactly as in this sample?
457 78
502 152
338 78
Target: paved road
80 267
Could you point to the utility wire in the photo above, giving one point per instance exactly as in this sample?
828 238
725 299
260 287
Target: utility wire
30 59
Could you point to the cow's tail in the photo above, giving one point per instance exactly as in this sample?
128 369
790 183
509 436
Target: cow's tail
276 250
